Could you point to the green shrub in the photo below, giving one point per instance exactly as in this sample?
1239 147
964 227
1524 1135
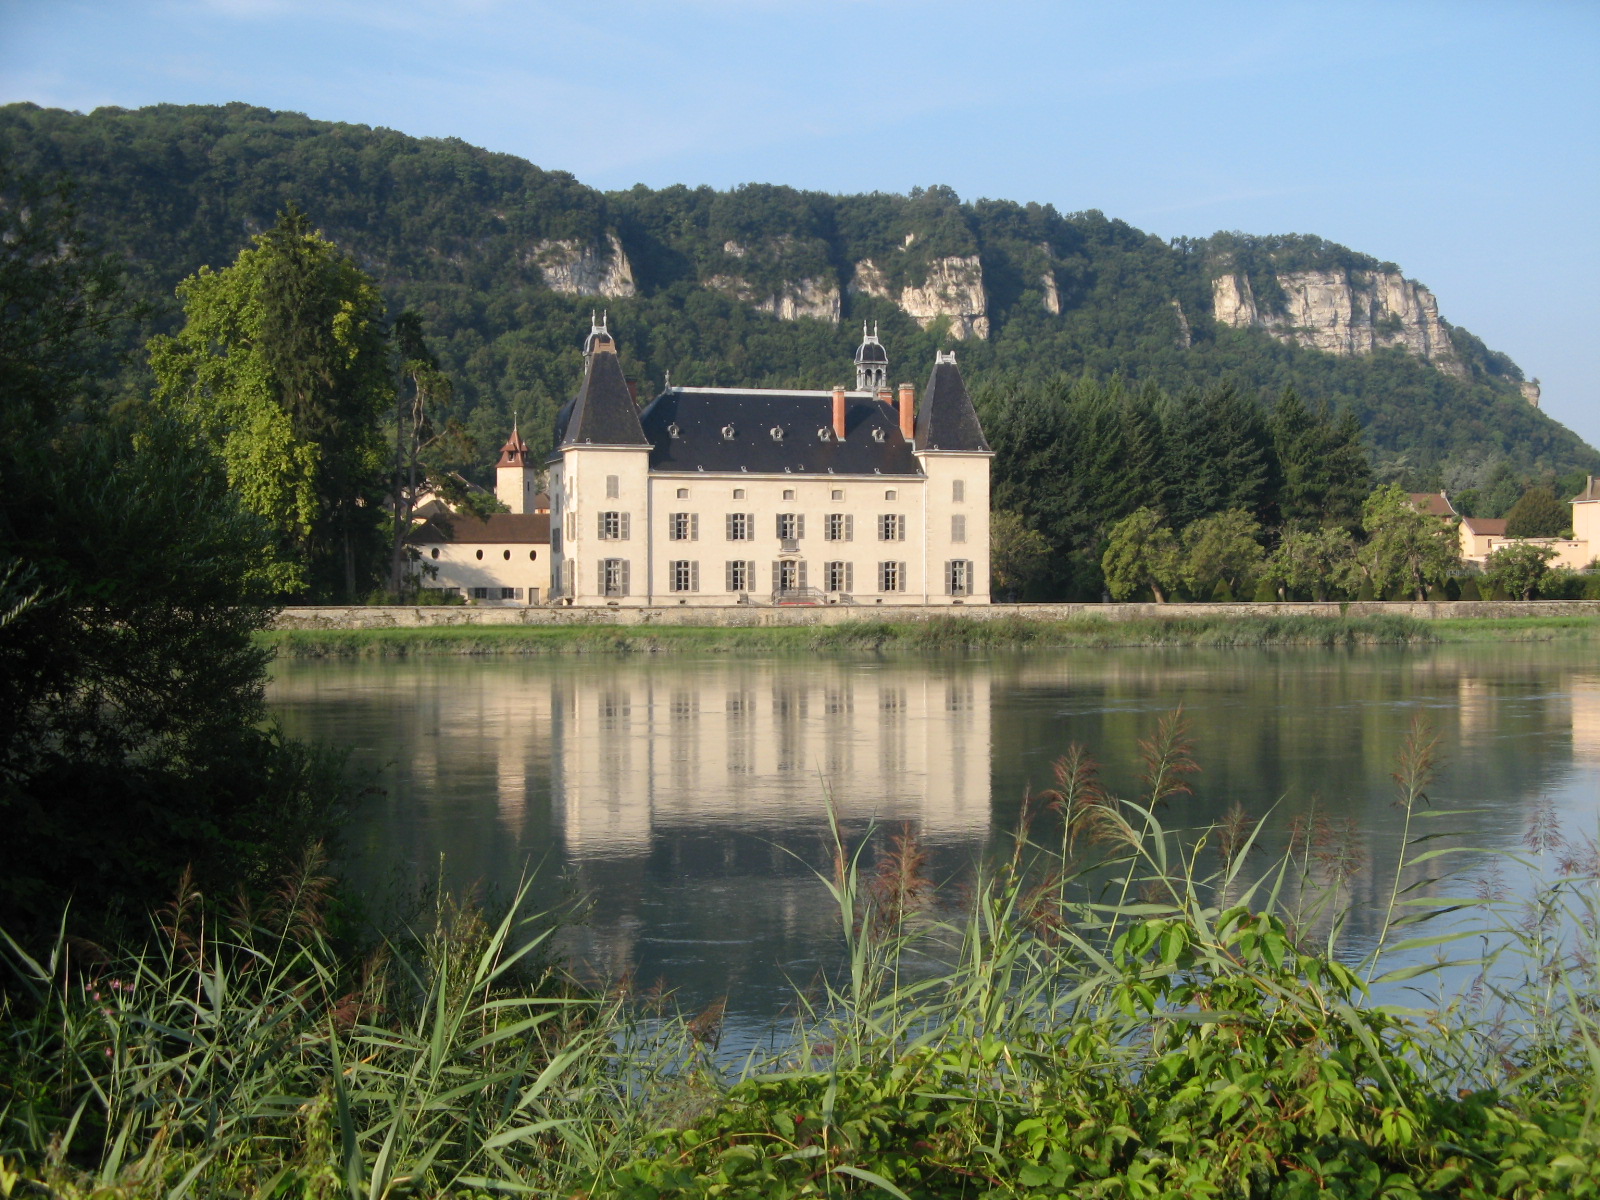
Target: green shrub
1439 592
1469 588
1265 593
1222 593
1366 592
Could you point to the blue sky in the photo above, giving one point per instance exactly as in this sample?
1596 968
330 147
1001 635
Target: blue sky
1460 140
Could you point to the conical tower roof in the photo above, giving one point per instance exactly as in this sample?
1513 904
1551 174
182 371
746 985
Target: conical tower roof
946 419
603 412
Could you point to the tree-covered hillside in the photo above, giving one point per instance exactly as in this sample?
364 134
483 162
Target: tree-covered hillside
463 237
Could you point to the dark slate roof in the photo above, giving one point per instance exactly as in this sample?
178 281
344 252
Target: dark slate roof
603 412
871 352
946 419
496 528
700 414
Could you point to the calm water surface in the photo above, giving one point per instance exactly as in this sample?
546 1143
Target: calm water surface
684 798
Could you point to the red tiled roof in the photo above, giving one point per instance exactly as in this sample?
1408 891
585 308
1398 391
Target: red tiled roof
1486 526
1436 503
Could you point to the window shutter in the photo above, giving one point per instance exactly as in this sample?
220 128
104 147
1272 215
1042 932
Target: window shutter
777 578
694 576
849 577
949 579
624 577
727 577
849 527
958 529
800 582
729 523
694 530
600 526
600 585
904 581
625 526
900 528
800 527
778 524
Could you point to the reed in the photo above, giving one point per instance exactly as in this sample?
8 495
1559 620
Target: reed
955 634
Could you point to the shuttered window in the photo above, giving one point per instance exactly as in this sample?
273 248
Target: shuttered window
613 577
683 575
838 577
613 487
839 527
613 526
683 527
741 527
958 577
791 526
958 528
892 527
740 576
892 577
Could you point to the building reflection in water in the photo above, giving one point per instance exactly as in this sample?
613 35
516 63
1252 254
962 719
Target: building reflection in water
759 747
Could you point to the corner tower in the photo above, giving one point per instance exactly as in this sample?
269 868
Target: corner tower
599 486
955 459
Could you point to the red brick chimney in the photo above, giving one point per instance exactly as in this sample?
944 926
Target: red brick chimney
908 412
838 414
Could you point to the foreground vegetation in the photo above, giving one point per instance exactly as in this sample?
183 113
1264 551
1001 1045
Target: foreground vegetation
944 633
1112 1010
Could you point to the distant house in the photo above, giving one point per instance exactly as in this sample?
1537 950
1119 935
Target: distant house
1482 536
503 559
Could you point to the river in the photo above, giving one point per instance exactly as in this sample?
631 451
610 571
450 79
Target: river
682 800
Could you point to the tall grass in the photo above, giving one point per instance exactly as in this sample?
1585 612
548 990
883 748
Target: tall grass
1111 1008
876 635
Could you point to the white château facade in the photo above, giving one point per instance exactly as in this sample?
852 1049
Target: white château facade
715 496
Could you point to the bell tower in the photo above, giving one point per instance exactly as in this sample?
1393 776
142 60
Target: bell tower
872 362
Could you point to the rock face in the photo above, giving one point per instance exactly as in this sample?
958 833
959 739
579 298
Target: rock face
818 298
584 268
953 289
1052 294
1530 392
1185 338
1343 312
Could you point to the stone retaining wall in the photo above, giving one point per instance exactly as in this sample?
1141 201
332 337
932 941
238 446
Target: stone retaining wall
398 617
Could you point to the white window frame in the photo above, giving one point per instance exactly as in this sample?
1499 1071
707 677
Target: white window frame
838 576
741 527
839 527
739 575
614 577
683 575
958 577
891 577
892 527
683 527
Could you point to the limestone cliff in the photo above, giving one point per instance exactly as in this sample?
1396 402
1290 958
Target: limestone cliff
584 268
1344 312
952 288
816 297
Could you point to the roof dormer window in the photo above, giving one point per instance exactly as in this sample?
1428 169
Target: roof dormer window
824 434
777 433
673 431
877 434
727 433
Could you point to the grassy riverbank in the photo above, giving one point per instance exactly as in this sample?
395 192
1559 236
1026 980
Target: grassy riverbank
1120 1013
945 633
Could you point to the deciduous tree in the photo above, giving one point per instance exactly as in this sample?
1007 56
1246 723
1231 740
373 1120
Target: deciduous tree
1221 548
1141 552
1518 567
283 362
1406 548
